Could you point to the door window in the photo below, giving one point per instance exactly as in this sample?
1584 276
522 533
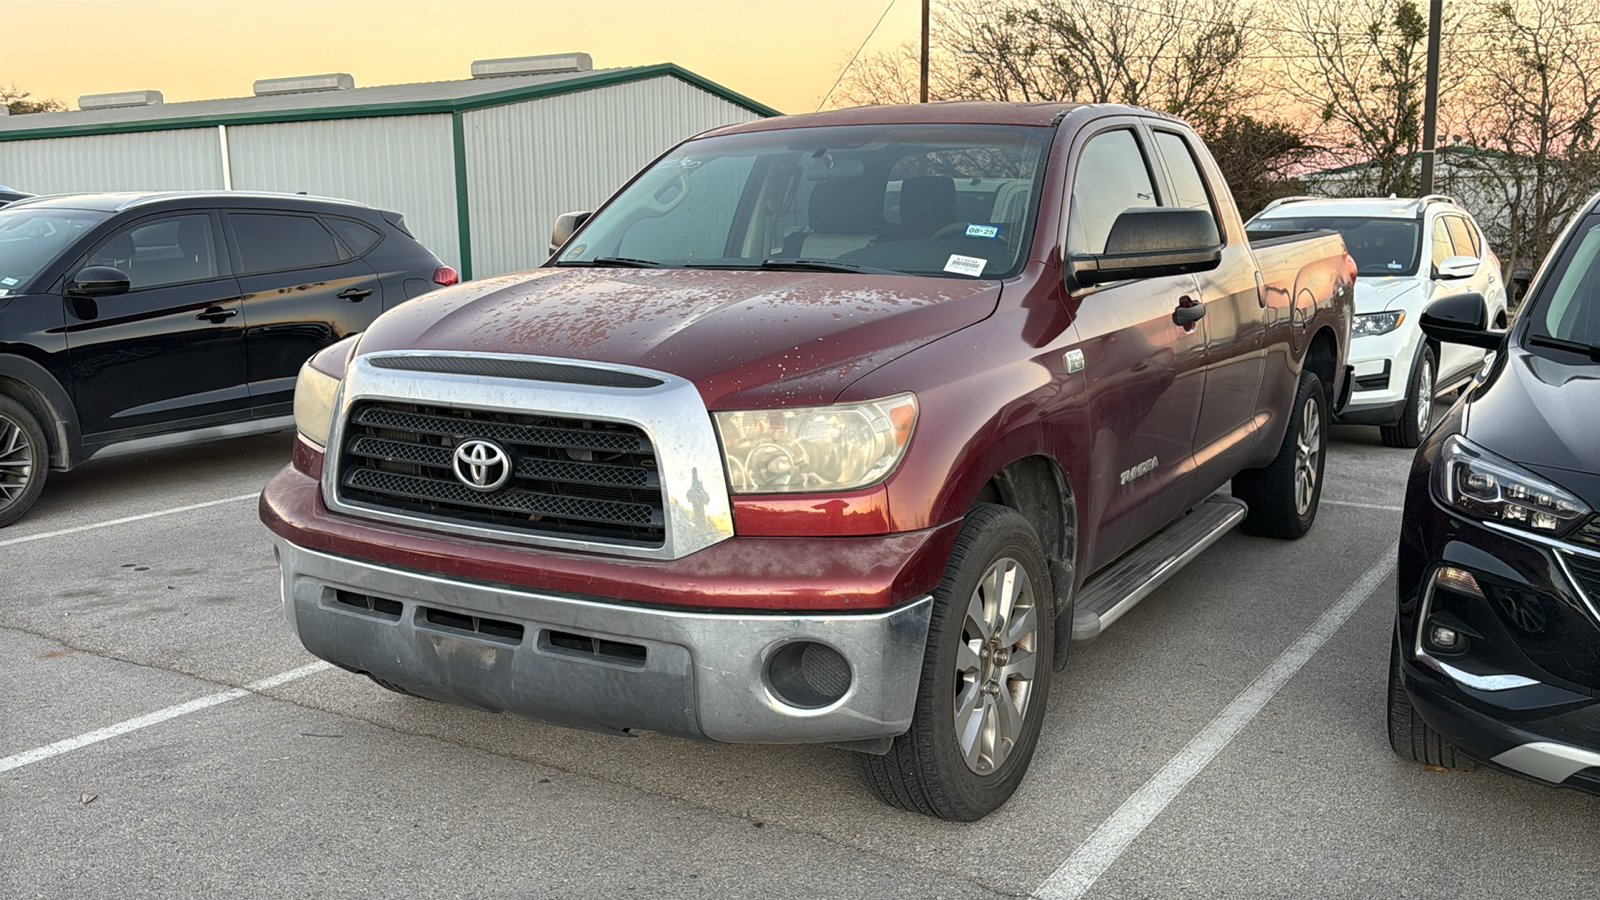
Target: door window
1461 236
270 242
1187 185
162 251
1442 248
1113 176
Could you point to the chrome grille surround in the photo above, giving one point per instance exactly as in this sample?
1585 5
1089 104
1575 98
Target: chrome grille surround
695 510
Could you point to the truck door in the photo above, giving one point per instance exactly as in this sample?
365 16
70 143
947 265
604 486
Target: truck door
1144 373
1235 323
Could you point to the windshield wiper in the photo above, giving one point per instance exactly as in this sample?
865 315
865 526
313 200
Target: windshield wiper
613 262
824 265
1544 340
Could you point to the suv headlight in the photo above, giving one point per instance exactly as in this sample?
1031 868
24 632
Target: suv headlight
316 389
1376 323
815 449
1475 481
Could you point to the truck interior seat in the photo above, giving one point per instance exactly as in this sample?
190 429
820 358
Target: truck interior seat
845 214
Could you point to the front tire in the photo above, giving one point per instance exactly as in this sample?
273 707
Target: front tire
1283 496
1418 412
1411 737
24 460
985 676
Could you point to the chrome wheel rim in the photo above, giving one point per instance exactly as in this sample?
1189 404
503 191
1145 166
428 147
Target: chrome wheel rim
995 666
16 462
1424 399
1308 450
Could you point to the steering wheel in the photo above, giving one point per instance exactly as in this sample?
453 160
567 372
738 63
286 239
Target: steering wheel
954 229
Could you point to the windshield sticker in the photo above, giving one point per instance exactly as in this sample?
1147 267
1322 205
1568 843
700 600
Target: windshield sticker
976 230
577 251
965 265
8 282
3 292
1397 266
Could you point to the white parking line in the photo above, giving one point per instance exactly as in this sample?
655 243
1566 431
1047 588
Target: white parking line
1364 505
157 717
126 519
1108 842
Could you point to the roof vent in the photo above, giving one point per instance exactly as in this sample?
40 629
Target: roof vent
120 100
304 84
549 64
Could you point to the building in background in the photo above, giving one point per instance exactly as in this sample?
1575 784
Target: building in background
480 168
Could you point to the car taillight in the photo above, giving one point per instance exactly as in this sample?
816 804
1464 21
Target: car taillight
446 276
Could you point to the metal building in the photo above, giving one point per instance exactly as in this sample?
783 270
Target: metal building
480 168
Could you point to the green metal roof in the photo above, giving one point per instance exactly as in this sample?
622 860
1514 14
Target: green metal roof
358 103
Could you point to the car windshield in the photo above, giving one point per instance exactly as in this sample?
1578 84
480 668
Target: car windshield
31 239
955 200
1572 312
1381 247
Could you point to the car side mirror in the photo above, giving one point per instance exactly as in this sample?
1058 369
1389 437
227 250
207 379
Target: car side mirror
1460 319
1152 243
1459 267
567 224
98 281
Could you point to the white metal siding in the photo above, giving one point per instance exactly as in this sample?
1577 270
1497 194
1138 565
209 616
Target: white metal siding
400 163
189 159
529 162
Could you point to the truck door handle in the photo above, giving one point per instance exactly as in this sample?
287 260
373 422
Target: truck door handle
355 295
1188 312
216 314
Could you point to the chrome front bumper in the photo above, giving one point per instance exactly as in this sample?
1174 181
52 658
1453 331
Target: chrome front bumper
690 674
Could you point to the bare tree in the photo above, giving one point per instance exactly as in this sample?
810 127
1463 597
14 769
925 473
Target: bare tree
16 100
1531 157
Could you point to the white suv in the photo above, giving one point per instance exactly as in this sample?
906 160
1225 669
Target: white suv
1407 253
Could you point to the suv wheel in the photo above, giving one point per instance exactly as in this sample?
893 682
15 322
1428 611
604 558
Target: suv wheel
1283 496
1418 414
985 676
24 460
1411 737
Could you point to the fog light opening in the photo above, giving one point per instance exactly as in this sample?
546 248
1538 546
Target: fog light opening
808 675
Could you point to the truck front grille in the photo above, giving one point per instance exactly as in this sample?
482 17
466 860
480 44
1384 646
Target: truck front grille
573 478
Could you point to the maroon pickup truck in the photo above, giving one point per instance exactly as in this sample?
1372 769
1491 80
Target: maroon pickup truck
836 428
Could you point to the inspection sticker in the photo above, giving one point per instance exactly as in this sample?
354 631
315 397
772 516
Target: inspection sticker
982 231
8 282
3 292
965 265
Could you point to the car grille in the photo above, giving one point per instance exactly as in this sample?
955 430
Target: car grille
1589 533
1587 572
572 478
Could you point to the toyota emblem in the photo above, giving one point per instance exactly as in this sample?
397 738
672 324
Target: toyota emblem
482 465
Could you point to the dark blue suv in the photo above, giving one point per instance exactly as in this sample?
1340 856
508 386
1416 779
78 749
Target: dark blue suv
136 320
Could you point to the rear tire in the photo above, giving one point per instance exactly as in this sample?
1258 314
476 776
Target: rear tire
1417 416
1283 496
1411 737
24 460
990 645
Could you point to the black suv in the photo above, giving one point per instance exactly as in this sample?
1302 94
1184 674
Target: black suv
1497 638
139 320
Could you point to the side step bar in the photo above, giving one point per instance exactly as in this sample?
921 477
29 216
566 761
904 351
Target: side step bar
1109 595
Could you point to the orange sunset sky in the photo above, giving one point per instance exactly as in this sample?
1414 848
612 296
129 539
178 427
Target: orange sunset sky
785 53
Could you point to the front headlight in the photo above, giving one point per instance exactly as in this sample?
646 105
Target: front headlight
1475 481
818 448
314 393
1376 323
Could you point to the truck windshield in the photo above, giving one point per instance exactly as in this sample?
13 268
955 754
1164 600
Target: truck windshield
952 200
1572 313
1381 247
31 239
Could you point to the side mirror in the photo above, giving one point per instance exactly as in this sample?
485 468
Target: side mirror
567 224
1153 243
1460 319
1459 267
98 281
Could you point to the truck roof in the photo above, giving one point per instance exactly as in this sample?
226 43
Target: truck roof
948 112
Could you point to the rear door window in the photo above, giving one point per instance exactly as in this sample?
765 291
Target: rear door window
273 242
1113 176
1187 185
162 251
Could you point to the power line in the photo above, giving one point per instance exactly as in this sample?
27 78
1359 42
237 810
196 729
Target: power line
857 55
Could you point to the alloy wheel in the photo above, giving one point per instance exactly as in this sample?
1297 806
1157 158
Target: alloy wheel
1424 400
1308 450
16 461
995 666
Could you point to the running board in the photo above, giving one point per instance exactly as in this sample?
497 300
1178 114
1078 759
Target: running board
1109 595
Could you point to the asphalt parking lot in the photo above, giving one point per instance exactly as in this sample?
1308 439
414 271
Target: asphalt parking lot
1225 739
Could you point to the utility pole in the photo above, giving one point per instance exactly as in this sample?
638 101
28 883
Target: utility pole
924 93
1430 95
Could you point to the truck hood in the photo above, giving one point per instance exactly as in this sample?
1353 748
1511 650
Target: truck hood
746 339
1540 413
1378 294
